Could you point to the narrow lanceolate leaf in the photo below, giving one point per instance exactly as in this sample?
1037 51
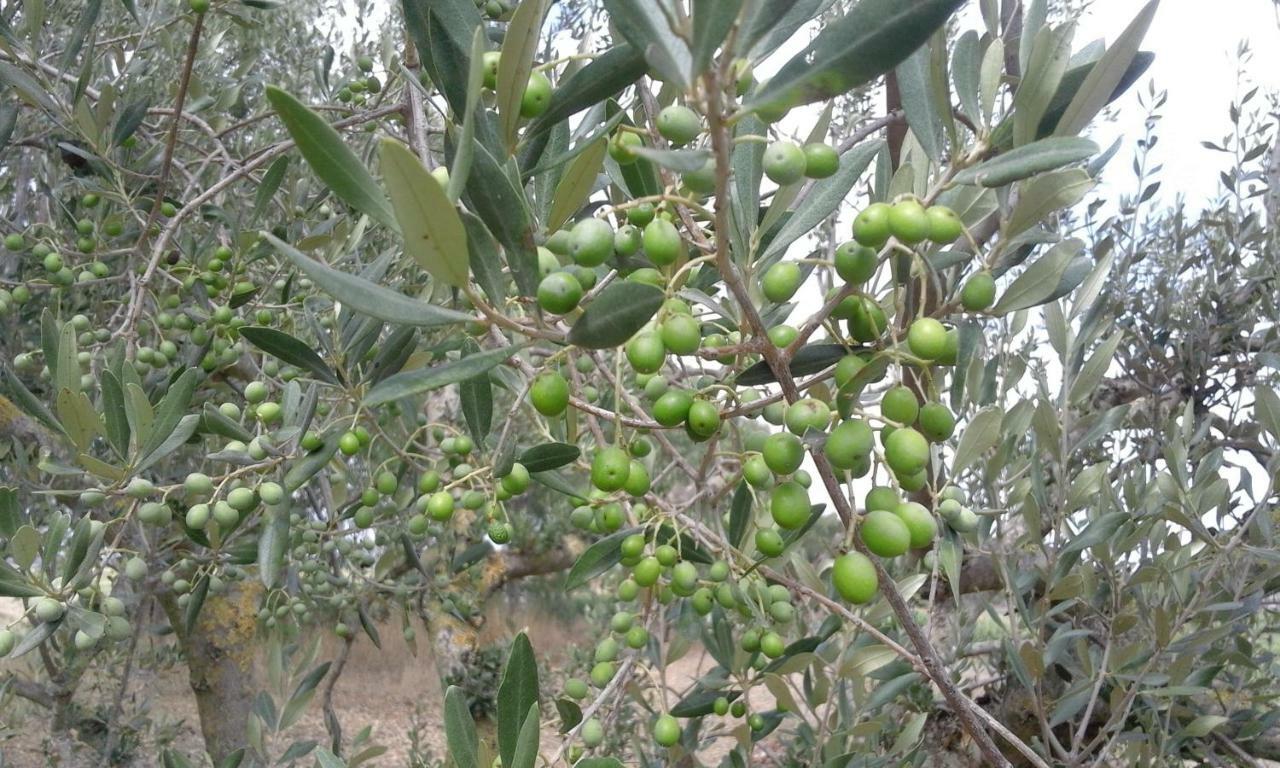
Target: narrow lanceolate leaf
616 314
678 160
1091 373
1040 197
1027 160
1267 409
549 456
476 397
712 20
366 297
774 21
576 184
466 140
460 729
273 540
981 434
598 558
431 377
433 231
518 47
289 349
501 204
172 407
1037 283
1103 80
917 102
270 183
1044 73
330 158
442 31
645 25
517 696
873 38
526 751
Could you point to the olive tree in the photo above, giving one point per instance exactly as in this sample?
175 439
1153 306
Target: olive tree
856 401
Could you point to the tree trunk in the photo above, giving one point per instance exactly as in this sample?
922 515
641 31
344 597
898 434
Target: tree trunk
220 653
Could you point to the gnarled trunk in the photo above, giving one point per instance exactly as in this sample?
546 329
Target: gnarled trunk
220 653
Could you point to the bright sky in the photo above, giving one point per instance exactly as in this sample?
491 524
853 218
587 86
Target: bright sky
1195 42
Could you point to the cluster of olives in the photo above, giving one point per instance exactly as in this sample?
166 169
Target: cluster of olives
592 242
356 90
660 570
497 9
62 270
537 92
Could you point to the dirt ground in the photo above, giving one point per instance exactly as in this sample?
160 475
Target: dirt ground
389 689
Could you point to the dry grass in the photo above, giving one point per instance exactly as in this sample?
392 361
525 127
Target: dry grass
389 689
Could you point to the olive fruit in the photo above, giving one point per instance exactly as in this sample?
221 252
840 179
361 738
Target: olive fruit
627 240
666 731
855 263
49 610
936 422
646 352
784 162
672 408
781 281
681 334
769 542
868 321
591 242
537 95
678 124
783 453
610 468
575 688
789 505
871 225
944 225
592 731
854 577
549 393
806 414
440 506
622 147
849 444
662 243
979 292
919 522
908 221
885 533
820 160
703 419
198 6
927 338
702 180
900 405
906 451
559 293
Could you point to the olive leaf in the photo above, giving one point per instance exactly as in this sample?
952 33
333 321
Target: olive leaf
366 297
432 230
870 40
330 158
616 314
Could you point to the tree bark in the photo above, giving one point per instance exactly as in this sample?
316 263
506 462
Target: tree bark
220 653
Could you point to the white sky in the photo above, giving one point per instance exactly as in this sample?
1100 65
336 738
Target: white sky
1195 42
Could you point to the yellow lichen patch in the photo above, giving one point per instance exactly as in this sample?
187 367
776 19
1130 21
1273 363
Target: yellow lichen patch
232 619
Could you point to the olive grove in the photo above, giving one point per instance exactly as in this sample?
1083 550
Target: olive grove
851 377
